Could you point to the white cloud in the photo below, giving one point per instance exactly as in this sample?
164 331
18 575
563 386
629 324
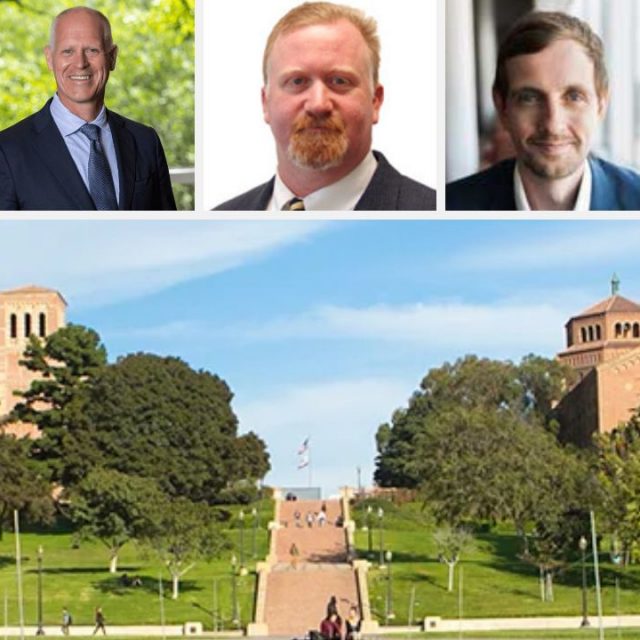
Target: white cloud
339 416
99 262
553 246
443 324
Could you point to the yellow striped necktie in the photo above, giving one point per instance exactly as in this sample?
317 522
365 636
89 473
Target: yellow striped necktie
295 204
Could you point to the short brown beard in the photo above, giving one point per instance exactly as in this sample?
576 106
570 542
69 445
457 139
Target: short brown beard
551 170
310 148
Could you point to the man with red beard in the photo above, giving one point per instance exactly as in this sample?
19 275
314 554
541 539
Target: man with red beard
321 98
551 93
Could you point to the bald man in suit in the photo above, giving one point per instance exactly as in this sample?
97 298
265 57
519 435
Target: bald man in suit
74 154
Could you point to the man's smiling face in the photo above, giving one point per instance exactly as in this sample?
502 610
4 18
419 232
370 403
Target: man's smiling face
81 60
552 108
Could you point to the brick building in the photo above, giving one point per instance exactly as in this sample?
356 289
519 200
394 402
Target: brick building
24 311
603 346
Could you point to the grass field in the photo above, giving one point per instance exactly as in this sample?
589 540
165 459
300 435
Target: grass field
495 582
79 579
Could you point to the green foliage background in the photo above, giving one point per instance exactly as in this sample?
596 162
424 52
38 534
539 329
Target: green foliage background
154 77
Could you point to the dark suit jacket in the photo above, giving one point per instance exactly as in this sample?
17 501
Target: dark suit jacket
37 171
613 188
388 191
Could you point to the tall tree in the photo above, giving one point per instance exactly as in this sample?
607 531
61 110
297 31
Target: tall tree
451 543
66 363
114 508
527 391
22 487
480 465
619 479
187 532
158 418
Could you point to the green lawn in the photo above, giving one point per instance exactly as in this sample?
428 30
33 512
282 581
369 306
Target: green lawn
79 579
495 582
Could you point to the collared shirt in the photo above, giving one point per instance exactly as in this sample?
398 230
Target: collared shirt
79 145
342 195
583 201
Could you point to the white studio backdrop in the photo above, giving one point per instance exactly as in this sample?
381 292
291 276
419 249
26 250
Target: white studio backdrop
236 147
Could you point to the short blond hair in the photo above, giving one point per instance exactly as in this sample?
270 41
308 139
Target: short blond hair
312 13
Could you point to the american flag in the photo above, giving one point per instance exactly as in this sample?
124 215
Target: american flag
303 454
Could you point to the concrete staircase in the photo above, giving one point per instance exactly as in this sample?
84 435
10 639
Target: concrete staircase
292 596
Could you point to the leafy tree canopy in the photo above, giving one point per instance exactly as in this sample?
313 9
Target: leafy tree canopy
114 508
22 488
619 478
526 391
158 418
186 533
66 363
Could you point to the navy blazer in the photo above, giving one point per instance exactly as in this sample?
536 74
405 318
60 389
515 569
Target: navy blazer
37 171
388 190
613 188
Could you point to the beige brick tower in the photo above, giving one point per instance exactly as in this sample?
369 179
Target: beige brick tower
603 346
24 311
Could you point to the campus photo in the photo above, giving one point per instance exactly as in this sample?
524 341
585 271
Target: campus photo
238 439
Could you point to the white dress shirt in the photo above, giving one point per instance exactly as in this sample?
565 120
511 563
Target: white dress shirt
583 201
342 195
79 145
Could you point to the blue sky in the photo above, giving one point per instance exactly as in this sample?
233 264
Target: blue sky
323 329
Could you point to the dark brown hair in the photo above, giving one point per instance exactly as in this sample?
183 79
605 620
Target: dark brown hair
537 30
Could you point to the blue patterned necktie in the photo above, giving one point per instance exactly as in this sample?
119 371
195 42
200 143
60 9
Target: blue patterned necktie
100 181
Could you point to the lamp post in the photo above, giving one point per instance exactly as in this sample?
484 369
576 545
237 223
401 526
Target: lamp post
40 630
254 551
241 517
582 544
370 532
389 602
381 535
235 617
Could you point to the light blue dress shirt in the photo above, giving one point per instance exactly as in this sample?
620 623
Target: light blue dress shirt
79 145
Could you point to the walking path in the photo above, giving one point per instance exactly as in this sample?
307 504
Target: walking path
451 626
297 596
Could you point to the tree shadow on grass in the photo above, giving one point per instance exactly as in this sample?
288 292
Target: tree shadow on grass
506 551
80 570
398 556
6 561
115 586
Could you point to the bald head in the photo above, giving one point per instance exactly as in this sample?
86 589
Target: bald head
105 26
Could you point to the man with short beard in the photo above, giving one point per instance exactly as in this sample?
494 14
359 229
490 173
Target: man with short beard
321 98
551 93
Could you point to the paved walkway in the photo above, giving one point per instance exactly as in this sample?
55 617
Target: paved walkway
469 625
297 597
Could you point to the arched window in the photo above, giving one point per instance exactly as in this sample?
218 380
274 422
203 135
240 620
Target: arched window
27 325
618 329
42 325
598 332
626 329
636 330
590 334
583 334
13 323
